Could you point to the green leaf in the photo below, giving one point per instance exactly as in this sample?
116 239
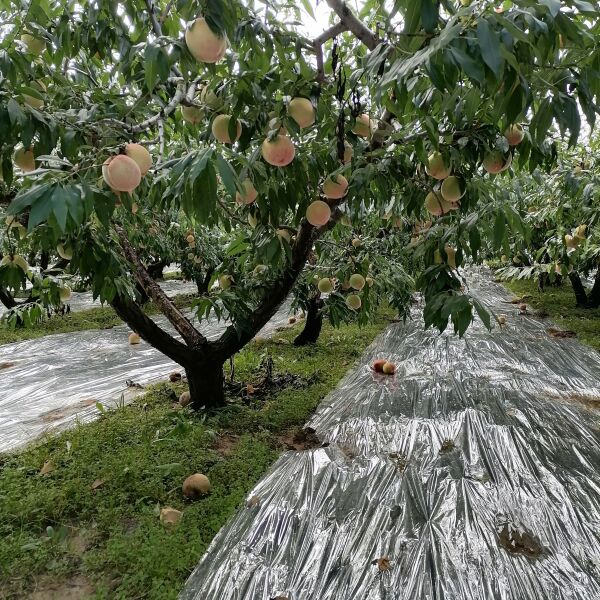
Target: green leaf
308 8
15 112
430 10
228 175
499 229
489 44
151 65
483 313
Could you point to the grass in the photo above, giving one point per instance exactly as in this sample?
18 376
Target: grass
559 303
111 537
93 318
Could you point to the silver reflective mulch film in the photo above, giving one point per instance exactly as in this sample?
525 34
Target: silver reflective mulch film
472 474
49 382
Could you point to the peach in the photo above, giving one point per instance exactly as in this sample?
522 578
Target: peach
203 43
249 195
122 173
318 213
302 111
335 188
140 155
279 151
220 129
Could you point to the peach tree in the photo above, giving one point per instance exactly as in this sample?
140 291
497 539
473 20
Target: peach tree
112 113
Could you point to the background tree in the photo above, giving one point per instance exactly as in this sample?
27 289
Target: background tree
411 110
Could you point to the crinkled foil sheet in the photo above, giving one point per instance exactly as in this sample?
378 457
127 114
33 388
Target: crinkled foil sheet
472 474
50 382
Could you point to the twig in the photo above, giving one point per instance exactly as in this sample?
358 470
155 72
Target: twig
229 212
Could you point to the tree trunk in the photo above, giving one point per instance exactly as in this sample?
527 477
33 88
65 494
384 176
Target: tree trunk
7 299
314 323
155 270
206 384
202 282
44 260
542 281
580 294
594 296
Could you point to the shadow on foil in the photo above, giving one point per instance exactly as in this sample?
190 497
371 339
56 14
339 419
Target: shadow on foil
472 474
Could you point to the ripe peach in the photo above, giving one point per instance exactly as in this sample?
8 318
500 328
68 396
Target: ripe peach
220 129
122 173
140 155
436 205
318 213
436 166
302 111
249 195
494 162
514 134
335 188
452 190
279 151
203 44
363 126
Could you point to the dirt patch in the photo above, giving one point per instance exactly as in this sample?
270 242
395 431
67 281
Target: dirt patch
561 333
226 444
128 525
517 540
300 439
58 414
586 400
75 588
447 446
7 365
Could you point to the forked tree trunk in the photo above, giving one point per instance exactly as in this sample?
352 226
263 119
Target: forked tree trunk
313 325
580 293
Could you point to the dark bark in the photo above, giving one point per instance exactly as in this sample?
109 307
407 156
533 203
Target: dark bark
580 293
182 324
203 282
44 260
7 299
274 294
314 323
206 383
155 270
594 295
542 281
142 324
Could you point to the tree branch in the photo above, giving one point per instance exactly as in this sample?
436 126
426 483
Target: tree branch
363 33
183 326
318 47
157 28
